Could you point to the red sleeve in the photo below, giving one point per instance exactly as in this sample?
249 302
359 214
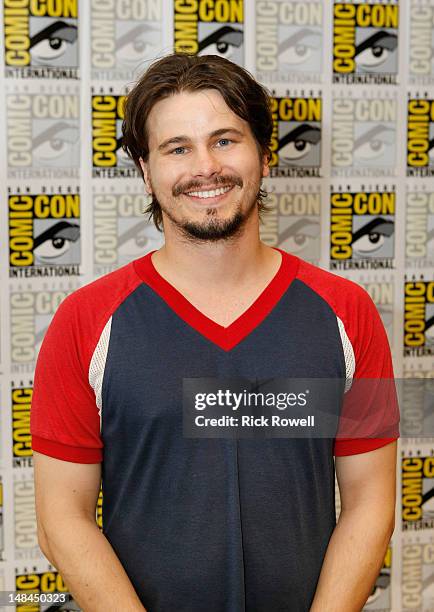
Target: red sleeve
370 413
64 419
64 416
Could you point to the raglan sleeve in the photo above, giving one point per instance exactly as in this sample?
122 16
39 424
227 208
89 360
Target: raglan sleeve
370 411
64 417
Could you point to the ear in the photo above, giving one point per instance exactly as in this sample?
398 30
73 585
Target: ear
145 169
265 167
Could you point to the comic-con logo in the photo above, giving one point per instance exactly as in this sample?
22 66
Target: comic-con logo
33 580
41 38
21 399
417 399
109 160
289 41
31 312
419 228
417 556
420 41
364 136
417 474
210 27
379 599
365 41
125 36
44 234
98 512
296 138
294 223
420 137
121 232
24 517
362 227
43 135
418 318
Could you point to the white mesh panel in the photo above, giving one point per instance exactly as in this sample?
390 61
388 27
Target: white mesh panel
97 364
350 361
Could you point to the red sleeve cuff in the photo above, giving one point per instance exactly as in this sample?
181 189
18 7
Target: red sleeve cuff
76 454
355 446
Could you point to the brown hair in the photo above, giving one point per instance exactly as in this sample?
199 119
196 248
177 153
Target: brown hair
180 72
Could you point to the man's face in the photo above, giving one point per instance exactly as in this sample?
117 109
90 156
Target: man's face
204 167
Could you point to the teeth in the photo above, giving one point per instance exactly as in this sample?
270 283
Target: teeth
209 194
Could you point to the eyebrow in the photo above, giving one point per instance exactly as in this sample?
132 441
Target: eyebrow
181 139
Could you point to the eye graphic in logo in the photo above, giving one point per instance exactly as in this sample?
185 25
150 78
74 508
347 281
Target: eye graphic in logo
136 240
372 237
301 50
300 146
377 52
55 242
135 44
56 145
300 236
50 44
223 42
375 145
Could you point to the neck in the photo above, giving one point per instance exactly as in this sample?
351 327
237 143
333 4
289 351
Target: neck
224 264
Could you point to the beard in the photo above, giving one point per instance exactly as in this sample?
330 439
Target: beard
212 228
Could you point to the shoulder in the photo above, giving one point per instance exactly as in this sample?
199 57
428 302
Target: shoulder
82 316
343 295
102 296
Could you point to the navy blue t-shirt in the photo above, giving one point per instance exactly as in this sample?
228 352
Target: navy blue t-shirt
222 525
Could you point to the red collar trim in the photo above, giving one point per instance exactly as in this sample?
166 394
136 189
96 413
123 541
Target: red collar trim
224 337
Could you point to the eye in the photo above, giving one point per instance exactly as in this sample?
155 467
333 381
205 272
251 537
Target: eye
376 49
369 243
374 56
298 143
223 49
49 49
225 141
134 50
56 241
54 142
53 248
222 42
51 148
371 236
298 242
299 235
178 150
137 239
296 54
372 149
53 41
296 149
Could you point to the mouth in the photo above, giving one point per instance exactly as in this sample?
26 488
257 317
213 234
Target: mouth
209 196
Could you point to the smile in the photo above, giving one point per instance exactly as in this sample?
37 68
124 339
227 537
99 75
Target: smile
210 193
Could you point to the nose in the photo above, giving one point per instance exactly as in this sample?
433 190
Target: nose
205 162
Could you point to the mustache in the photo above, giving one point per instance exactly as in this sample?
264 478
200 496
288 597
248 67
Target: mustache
219 181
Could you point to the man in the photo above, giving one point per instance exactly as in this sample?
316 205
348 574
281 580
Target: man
226 524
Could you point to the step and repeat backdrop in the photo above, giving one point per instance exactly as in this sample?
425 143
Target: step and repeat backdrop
351 185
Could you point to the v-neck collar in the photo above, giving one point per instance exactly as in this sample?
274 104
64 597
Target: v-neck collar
224 337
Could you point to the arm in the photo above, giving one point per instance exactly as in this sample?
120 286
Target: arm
66 497
367 484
